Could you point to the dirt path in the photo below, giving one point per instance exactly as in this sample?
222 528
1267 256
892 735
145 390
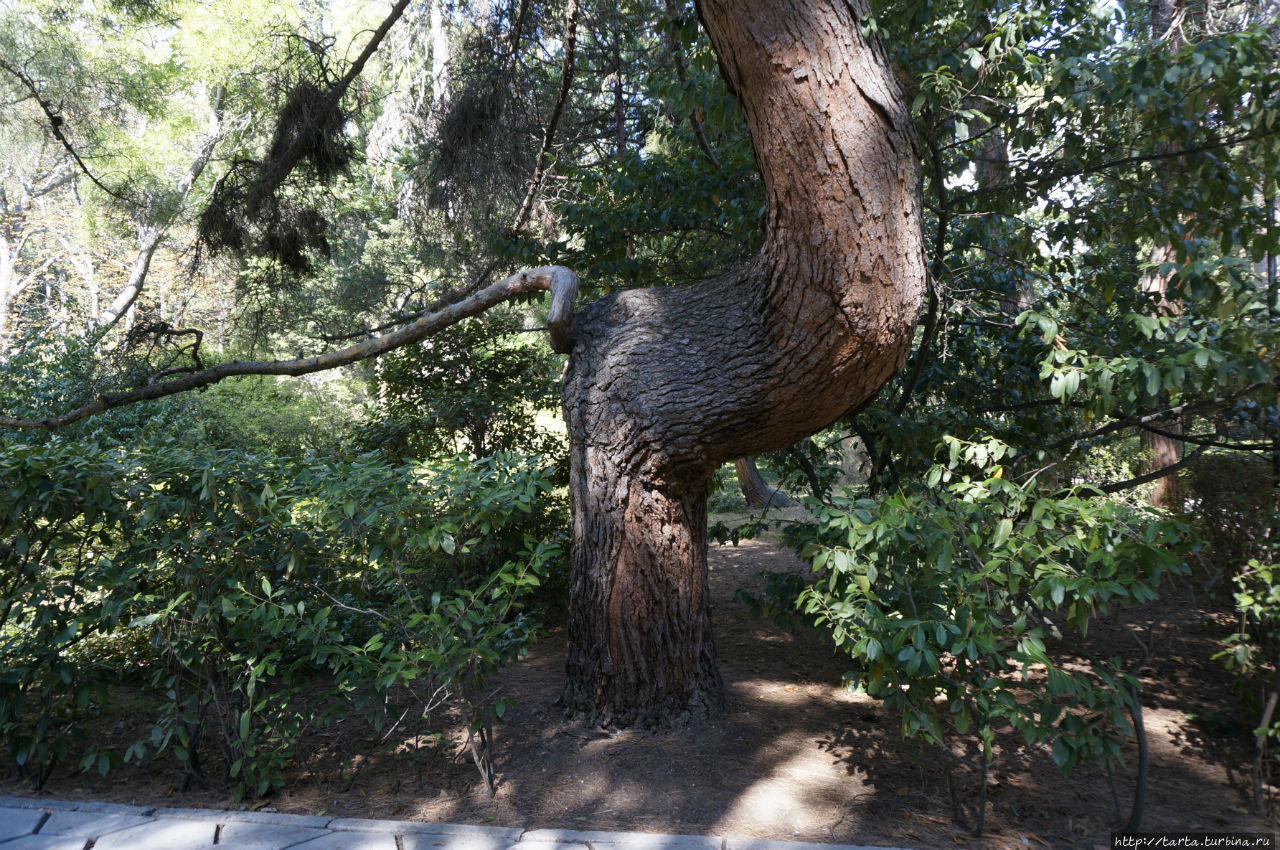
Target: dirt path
795 757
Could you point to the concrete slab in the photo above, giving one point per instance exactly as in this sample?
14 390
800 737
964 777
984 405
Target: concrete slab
266 836
34 803
46 842
112 808
65 825
15 823
235 846
549 845
622 840
351 841
446 841
226 816
161 834
759 844
88 824
500 833
72 806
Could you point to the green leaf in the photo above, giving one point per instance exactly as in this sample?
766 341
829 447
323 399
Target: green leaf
1061 753
1004 529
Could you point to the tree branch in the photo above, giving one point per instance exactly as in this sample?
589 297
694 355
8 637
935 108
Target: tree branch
55 124
1207 442
150 236
1168 413
1135 159
1130 483
548 135
560 281
281 166
376 39
33 274
673 39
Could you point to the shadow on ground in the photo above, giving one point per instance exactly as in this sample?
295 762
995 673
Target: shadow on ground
795 756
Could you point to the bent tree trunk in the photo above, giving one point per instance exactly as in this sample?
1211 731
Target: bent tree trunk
663 385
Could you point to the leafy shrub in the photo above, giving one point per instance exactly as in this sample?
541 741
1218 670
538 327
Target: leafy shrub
252 575
62 516
1235 498
947 597
474 388
1253 652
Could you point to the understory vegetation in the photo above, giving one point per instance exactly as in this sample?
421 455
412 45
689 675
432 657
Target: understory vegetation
1089 408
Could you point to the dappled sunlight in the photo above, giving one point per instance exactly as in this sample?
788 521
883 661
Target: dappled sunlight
799 795
795 756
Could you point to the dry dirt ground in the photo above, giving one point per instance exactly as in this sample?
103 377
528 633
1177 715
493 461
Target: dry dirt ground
795 757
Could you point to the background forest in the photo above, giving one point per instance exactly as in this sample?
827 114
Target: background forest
1088 416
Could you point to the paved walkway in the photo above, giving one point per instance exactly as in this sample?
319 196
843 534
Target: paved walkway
39 824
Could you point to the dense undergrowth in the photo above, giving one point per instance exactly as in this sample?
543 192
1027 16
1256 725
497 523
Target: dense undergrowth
225 583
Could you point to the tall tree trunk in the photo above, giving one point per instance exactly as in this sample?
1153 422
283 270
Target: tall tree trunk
439 56
756 490
663 385
5 307
1160 450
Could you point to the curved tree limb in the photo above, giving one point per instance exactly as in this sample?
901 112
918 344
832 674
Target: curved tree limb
756 490
560 281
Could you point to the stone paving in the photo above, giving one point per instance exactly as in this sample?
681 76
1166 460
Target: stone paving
39 824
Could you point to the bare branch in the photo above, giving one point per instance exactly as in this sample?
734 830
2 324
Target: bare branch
55 124
31 276
282 165
55 179
1053 177
560 281
1130 483
149 241
548 135
673 41
149 237
1166 414
376 39
1208 441
517 28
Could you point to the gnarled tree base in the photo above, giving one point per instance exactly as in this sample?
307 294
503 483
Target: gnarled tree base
641 653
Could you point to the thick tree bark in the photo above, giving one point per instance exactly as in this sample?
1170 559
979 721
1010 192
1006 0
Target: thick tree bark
665 384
